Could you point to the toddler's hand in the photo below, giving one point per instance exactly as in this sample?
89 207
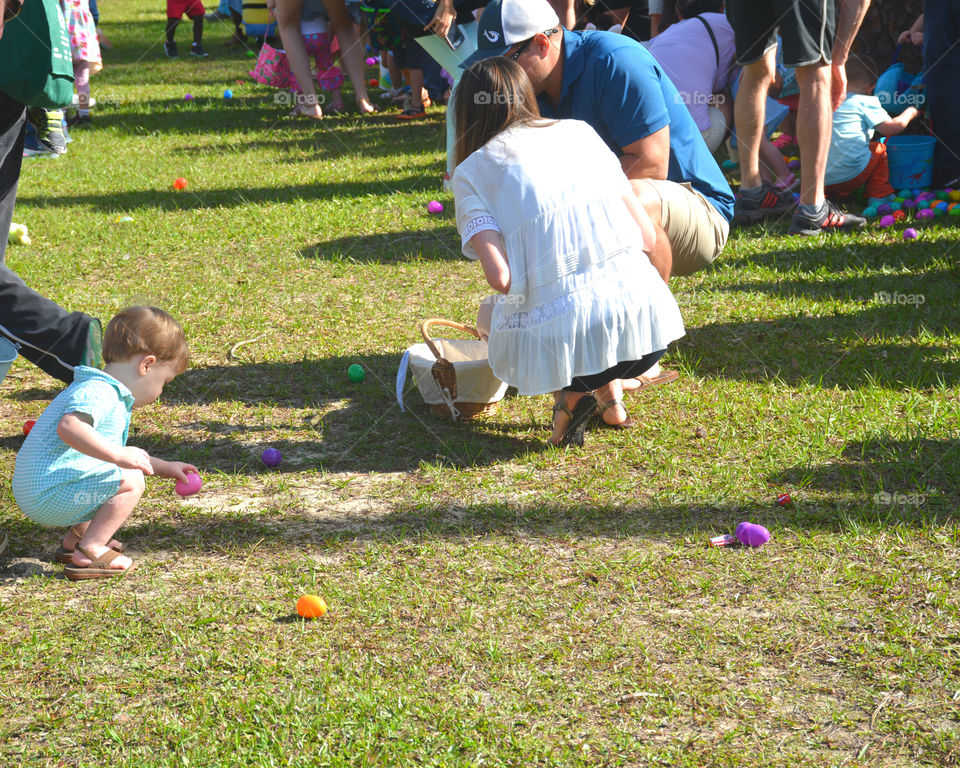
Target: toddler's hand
178 470
134 458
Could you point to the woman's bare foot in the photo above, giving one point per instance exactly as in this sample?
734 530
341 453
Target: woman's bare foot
119 563
365 107
307 110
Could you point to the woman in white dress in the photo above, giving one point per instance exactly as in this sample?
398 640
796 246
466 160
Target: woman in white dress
581 306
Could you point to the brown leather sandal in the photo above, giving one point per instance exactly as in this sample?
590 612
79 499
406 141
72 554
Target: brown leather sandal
99 568
664 377
65 556
579 416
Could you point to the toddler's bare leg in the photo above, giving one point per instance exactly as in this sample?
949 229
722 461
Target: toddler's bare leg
109 518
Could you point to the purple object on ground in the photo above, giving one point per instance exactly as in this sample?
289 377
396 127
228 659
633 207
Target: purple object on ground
371 62
887 221
271 457
435 206
188 97
884 208
752 535
909 233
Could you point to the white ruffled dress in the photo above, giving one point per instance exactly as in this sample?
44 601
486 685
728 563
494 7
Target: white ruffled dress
583 294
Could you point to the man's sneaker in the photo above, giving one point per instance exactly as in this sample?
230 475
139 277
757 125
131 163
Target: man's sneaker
831 219
197 50
216 16
93 349
49 127
772 202
170 48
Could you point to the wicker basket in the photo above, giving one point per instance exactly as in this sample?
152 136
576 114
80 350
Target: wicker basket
453 375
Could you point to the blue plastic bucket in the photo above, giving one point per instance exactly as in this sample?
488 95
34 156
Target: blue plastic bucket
8 353
911 161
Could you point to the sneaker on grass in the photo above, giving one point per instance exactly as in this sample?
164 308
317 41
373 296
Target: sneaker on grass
751 207
170 48
49 127
197 50
830 219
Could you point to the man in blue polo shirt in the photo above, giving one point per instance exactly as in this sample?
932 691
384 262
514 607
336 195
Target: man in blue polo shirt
614 84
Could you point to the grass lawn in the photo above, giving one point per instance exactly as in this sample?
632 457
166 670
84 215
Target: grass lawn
491 602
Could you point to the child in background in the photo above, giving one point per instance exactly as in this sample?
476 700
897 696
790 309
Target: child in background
193 9
855 160
86 55
273 68
75 468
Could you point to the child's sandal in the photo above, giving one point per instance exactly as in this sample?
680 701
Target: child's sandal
65 556
99 567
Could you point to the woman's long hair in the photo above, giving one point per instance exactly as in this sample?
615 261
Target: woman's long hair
492 95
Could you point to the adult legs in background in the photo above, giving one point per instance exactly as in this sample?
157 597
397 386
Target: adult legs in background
50 337
288 24
941 59
814 123
351 51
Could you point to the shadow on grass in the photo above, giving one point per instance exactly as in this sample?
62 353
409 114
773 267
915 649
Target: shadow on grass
440 244
890 472
236 197
298 528
891 340
351 427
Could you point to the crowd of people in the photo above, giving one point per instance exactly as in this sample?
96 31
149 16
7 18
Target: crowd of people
585 180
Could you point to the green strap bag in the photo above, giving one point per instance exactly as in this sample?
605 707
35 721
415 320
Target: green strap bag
36 65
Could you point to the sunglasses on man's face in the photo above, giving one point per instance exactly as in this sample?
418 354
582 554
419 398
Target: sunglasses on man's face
523 48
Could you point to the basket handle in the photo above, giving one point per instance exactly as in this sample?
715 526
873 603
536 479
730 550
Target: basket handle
431 321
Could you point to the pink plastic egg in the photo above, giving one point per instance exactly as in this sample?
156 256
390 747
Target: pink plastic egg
190 486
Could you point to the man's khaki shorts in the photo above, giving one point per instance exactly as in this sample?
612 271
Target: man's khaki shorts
697 231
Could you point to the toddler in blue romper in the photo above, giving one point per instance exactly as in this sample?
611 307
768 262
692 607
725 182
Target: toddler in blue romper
75 469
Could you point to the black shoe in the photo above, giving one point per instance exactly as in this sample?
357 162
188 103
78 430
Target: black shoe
216 16
170 48
772 202
49 128
197 50
79 120
831 219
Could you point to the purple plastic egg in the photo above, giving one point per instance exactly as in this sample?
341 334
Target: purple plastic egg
190 486
371 62
887 221
188 97
926 213
793 165
752 535
909 234
435 207
271 457
884 208
908 203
